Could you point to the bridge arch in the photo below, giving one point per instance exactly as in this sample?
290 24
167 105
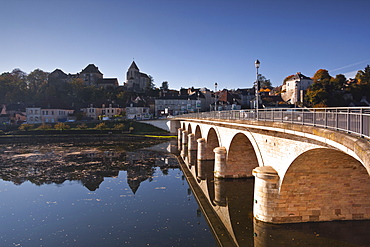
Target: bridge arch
319 177
189 128
198 132
212 142
241 157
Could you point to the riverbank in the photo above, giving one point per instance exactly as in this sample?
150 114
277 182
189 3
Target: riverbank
128 130
52 137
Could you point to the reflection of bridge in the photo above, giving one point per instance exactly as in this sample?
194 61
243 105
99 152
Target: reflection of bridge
228 207
302 173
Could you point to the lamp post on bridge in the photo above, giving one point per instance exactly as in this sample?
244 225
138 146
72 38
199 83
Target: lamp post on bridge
215 96
257 65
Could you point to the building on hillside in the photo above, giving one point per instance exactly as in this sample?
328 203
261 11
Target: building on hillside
58 76
90 75
136 81
226 100
138 109
15 112
247 97
294 88
180 104
108 111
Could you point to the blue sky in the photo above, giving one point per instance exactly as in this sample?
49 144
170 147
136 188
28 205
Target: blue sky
187 42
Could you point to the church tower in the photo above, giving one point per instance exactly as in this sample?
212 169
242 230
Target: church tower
135 80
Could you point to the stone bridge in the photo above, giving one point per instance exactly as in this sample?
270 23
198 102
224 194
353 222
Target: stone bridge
302 173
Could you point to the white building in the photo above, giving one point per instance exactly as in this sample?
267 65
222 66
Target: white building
33 115
294 88
104 111
138 112
37 115
175 105
55 115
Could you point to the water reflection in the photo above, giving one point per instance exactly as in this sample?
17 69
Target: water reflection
133 197
56 163
232 201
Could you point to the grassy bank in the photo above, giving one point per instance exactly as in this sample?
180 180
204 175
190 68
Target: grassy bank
97 130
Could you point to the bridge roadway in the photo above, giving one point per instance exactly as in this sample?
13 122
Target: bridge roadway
302 173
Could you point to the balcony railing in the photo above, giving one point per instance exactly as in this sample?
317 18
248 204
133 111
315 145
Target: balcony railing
351 120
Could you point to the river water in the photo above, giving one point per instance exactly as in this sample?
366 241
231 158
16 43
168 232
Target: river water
133 193
96 195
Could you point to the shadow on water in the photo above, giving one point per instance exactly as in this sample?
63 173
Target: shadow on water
232 201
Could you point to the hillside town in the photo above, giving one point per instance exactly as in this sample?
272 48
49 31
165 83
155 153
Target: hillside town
47 98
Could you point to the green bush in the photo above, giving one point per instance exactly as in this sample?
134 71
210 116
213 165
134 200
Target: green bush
26 127
44 127
82 126
101 126
62 126
119 126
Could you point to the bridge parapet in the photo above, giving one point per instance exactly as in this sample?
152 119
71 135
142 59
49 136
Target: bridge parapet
354 120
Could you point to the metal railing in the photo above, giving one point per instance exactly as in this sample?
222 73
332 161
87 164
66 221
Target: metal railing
348 119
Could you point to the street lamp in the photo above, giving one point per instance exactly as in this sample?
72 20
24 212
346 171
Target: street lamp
215 96
257 65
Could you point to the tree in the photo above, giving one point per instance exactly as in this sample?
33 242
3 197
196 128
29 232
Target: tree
36 79
361 88
150 85
264 83
13 87
322 75
164 86
319 91
363 76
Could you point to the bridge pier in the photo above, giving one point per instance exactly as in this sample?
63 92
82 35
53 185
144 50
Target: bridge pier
266 190
202 149
184 148
220 162
192 143
179 138
220 192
